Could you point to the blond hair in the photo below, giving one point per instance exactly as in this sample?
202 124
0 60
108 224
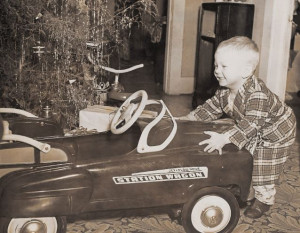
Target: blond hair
245 47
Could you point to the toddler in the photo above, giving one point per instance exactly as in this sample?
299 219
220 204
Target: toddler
264 125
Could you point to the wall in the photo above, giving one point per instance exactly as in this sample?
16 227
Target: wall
259 14
173 83
275 44
190 28
181 46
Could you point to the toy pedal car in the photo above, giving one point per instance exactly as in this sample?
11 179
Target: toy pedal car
46 176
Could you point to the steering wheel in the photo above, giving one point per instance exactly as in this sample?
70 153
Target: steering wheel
129 112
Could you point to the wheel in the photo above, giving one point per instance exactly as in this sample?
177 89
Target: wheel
211 210
33 225
128 113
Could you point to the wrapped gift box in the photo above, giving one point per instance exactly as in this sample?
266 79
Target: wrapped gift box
96 117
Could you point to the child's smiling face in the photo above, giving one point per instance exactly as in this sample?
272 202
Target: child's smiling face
230 68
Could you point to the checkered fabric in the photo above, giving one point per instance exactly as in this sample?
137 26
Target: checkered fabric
265 193
265 126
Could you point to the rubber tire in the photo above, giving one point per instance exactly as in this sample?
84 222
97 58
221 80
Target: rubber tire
61 224
215 191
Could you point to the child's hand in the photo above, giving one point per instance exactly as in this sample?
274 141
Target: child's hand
215 142
188 117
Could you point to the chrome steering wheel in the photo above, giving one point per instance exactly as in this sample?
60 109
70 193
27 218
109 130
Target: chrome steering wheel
129 112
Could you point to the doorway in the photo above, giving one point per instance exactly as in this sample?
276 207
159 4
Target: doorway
149 50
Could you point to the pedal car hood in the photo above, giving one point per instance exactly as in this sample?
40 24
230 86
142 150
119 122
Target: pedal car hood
188 135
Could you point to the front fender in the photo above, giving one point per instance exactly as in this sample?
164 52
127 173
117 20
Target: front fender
45 191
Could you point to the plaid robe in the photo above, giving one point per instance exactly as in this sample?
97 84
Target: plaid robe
264 125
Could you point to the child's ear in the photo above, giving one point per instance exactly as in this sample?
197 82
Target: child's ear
247 70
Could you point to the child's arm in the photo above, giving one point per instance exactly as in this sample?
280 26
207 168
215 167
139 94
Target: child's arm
189 117
209 111
216 141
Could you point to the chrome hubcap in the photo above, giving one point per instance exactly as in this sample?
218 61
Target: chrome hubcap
34 226
212 216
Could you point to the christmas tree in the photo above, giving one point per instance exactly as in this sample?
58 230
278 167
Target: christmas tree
51 50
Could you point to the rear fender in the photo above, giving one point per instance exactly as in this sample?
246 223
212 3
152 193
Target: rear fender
233 173
234 189
48 191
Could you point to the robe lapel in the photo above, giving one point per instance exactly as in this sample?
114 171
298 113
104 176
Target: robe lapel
226 107
238 106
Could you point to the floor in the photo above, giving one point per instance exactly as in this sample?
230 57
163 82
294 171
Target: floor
282 218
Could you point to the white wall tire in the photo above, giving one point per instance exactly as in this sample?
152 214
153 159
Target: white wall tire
211 210
34 225
215 214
